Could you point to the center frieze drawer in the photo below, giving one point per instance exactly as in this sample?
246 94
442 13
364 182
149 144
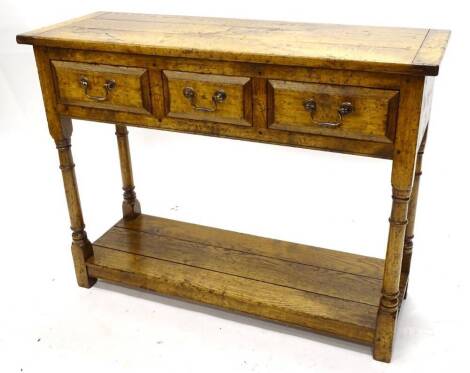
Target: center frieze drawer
208 97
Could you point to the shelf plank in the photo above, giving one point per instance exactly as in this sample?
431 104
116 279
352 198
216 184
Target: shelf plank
267 278
297 253
233 262
350 320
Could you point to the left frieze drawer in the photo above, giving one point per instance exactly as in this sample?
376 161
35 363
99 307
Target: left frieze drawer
108 87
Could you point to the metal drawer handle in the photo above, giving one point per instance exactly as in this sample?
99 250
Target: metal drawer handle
218 97
108 86
344 109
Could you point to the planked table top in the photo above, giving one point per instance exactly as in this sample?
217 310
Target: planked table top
385 49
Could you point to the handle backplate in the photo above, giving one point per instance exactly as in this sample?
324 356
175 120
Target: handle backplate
108 86
218 97
344 109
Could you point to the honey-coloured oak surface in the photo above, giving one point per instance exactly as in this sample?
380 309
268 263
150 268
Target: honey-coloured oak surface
391 49
201 100
129 91
351 89
325 290
373 114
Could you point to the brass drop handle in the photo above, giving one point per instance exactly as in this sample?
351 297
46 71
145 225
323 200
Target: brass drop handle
108 86
218 97
344 109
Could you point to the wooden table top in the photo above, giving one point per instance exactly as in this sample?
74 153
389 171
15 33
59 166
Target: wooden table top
403 50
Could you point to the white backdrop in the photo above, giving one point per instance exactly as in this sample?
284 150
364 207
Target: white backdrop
48 324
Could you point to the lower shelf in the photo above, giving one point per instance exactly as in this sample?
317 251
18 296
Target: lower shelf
328 291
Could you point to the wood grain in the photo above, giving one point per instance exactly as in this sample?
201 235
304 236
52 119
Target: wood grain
60 129
403 170
131 93
201 127
258 282
235 109
432 50
130 203
266 69
373 117
265 247
209 72
349 320
315 45
251 69
268 269
409 233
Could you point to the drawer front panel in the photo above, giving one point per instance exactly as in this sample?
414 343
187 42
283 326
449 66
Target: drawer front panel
102 86
214 98
333 110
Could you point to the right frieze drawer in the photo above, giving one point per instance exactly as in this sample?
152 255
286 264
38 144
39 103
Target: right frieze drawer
333 110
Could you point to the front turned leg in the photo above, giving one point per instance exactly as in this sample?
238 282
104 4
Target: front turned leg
388 308
60 128
130 204
81 246
403 171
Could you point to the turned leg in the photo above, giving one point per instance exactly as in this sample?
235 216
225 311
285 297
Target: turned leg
388 308
81 246
60 128
130 204
409 233
403 173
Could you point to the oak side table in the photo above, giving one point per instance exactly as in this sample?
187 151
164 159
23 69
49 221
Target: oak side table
351 89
